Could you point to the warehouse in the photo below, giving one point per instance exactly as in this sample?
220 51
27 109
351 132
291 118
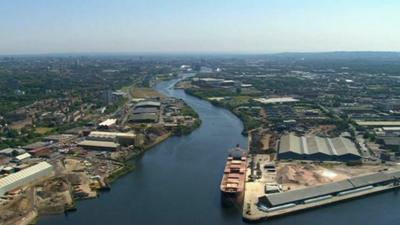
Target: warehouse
146 110
384 123
107 124
99 145
298 196
276 100
37 144
10 152
144 118
391 130
315 148
22 157
321 192
148 104
25 177
390 142
124 139
59 138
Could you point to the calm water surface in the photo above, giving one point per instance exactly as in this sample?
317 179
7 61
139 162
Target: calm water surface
177 182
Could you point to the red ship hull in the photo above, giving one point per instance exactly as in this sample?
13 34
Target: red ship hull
233 181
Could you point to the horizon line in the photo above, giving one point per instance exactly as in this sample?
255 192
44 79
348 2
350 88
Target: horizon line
191 53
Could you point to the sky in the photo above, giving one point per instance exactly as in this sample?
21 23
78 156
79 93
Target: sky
198 26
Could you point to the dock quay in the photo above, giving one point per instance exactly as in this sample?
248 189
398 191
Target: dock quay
283 203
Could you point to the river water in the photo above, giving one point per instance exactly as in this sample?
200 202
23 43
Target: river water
177 182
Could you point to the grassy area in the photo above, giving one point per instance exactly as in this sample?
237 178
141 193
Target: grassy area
144 93
249 120
43 130
212 92
237 101
188 111
185 130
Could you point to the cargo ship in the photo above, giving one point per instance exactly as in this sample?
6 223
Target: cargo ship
233 180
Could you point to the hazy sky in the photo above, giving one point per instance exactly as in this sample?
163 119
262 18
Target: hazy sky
190 26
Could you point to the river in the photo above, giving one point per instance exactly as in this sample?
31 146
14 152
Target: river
177 182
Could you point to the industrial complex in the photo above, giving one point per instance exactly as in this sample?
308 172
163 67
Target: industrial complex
48 175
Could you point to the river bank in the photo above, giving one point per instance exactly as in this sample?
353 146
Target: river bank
163 173
127 168
125 162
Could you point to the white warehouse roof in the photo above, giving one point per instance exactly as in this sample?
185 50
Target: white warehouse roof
391 128
23 156
110 134
25 176
101 144
385 123
108 122
275 100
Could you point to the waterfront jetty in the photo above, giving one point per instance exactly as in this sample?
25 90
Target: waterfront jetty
283 203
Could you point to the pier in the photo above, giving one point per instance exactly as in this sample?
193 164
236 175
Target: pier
279 204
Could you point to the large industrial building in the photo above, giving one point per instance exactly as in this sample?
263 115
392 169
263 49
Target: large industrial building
316 148
144 118
123 139
148 104
140 110
385 123
25 177
326 191
146 112
99 145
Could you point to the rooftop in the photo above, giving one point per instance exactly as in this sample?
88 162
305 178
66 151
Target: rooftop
105 144
110 134
327 189
275 100
148 104
38 144
314 144
23 156
7 151
307 193
24 173
108 122
144 117
379 123
146 110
